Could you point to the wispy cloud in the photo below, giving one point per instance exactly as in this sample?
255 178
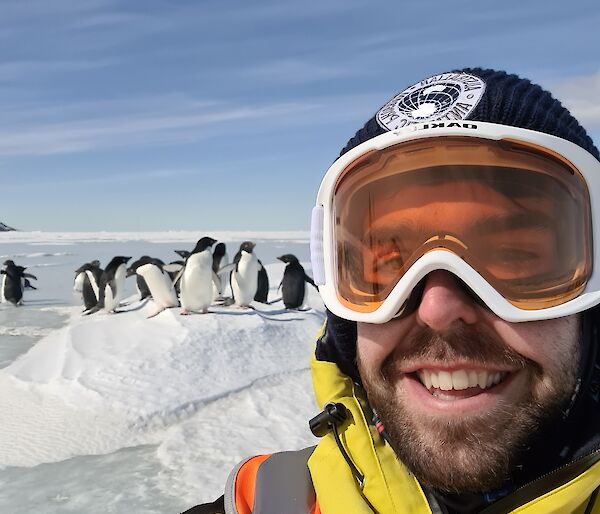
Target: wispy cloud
296 71
17 70
131 129
581 96
42 129
95 177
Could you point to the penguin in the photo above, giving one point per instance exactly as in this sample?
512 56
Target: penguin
140 282
293 283
262 290
111 285
87 283
13 277
197 278
220 259
244 277
176 275
158 282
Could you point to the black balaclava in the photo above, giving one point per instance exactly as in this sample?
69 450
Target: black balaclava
508 100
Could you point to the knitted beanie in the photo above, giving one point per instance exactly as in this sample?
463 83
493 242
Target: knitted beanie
471 93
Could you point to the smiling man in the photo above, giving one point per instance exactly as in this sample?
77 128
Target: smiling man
454 245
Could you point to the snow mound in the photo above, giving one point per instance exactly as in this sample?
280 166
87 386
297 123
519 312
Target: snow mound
207 389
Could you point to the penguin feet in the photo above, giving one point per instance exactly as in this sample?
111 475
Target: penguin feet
184 312
156 313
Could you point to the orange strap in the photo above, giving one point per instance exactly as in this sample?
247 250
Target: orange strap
245 484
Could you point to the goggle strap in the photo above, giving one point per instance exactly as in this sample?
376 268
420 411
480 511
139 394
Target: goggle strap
316 244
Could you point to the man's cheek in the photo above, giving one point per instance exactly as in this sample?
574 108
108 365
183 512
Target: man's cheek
372 353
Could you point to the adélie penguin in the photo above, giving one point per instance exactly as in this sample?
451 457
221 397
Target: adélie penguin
21 269
220 259
87 283
244 277
196 286
262 288
13 277
158 282
177 272
112 282
140 282
293 283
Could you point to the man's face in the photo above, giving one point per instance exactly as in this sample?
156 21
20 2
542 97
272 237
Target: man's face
459 390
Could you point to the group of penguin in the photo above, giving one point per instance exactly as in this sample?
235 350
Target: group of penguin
14 282
195 283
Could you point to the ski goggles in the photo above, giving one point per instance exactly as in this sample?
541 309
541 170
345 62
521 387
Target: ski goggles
509 211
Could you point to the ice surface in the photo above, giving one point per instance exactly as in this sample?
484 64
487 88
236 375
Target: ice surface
146 415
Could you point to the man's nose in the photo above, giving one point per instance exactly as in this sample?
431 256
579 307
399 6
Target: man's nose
444 301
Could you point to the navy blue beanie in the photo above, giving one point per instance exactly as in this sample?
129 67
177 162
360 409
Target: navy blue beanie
506 100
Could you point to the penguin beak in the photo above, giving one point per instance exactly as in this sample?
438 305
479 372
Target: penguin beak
280 258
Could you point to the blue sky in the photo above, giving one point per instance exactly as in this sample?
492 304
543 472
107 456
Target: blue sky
213 115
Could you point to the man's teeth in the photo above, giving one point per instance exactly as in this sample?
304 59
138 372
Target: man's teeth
459 379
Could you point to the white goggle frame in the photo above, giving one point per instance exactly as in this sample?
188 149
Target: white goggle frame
322 244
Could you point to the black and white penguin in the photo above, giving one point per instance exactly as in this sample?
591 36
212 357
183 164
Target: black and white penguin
262 290
293 283
197 279
176 275
26 283
244 277
13 278
157 280
220 260
87 283
140 282
112 284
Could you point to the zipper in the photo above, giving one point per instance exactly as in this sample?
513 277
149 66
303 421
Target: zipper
543 484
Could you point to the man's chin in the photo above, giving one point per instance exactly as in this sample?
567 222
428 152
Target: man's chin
461 442
455 453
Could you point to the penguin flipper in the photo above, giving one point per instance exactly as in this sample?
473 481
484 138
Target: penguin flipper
178 276
113 287
227 268
29 275
310 281
172 267
216 280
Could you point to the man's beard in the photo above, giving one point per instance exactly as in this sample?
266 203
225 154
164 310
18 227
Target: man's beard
476 452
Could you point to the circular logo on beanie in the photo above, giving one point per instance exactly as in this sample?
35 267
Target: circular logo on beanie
448 96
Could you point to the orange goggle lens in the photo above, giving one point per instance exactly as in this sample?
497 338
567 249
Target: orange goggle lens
516 213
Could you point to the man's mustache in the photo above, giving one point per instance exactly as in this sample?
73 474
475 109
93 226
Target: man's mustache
477 345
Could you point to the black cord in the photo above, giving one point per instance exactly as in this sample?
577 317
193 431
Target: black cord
360 478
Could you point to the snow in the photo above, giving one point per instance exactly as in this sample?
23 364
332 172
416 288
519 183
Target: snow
148 415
